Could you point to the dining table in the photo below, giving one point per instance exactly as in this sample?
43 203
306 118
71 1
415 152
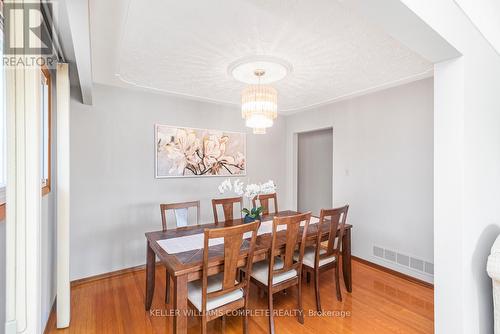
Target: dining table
180 250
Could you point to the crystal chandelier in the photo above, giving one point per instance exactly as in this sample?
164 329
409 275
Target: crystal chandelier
259 105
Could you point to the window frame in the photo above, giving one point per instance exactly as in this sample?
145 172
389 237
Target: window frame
46 183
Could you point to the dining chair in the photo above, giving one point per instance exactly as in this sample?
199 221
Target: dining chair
264 202
181 220
227 207
215 295
280 271
325 255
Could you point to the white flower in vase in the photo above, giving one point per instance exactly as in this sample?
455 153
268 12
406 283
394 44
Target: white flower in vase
238 187
268 187
252 190
225 186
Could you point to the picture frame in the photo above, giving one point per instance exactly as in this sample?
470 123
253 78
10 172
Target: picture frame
198 152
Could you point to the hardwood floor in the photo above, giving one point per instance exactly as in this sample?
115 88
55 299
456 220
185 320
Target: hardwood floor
380 303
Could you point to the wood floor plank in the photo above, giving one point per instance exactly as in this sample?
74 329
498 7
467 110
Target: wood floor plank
380 303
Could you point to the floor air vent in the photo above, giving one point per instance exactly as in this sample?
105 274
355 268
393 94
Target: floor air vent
404 260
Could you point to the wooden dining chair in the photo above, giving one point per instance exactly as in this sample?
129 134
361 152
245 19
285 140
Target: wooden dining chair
280 271
227 207
215 295
181 220
264 202
325 255
180 212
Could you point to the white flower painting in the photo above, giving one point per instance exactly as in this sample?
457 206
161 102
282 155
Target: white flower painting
199 152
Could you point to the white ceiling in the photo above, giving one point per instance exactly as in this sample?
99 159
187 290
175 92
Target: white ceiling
185 48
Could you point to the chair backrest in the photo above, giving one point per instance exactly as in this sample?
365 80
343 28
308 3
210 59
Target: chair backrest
227 206
337 218
292 224
239 241
181 211
264 202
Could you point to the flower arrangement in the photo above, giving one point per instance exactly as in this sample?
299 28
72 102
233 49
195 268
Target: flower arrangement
249 191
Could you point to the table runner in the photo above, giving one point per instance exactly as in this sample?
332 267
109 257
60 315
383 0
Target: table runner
196 241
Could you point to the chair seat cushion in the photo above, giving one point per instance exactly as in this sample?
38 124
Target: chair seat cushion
310 253
260 272
214 284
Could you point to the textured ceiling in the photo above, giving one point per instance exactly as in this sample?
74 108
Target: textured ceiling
185 47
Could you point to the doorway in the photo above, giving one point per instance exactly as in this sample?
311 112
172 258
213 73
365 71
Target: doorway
315 170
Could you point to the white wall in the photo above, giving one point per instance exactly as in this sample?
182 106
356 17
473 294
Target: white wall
485 15
114 195
383 167
465 306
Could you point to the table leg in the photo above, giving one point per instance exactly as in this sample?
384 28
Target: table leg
150 276
181 306
346 259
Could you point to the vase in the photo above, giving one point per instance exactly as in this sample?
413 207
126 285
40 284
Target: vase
249 219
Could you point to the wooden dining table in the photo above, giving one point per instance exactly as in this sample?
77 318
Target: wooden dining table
186 266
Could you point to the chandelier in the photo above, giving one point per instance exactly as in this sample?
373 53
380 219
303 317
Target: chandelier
259 100
259 105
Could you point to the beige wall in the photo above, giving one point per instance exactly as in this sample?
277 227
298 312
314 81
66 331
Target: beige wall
382 159
383 168
114 194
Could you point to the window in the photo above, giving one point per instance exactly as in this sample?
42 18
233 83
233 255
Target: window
45 140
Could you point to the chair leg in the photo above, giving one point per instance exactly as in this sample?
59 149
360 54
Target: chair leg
167 288
203 324
245 321
337 283
271 315
316 289
300 316
223 324
308 277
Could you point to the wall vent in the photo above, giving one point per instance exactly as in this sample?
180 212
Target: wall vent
404 260
417 264
377 251
429 268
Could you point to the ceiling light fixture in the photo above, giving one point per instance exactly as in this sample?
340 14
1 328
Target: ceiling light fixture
259 105
259 101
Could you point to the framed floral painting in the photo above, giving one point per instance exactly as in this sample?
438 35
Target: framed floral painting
190 152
